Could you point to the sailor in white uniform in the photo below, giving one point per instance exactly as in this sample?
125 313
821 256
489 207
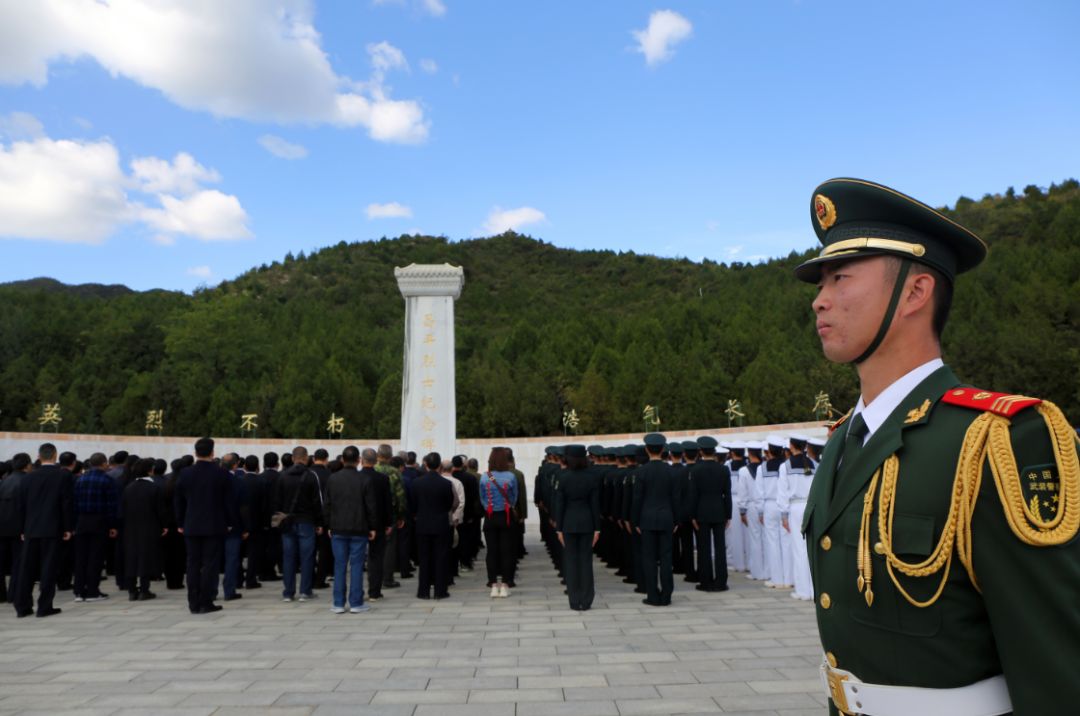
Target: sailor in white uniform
796 476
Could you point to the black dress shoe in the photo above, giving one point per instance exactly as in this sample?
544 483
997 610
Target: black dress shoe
133 596
49 612
639 590
320 585
703 588
26 613
253 585
723 588
147 596
210 609
391 585
233 597
422 596
650 602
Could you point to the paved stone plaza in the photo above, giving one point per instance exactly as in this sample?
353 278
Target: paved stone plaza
749 650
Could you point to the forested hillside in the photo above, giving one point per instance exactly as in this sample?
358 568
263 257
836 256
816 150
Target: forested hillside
539 330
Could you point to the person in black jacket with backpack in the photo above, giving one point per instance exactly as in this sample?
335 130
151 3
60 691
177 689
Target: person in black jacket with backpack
351 520
297 495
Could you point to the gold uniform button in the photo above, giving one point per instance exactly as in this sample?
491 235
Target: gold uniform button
826 600
829 657
826 543
879 548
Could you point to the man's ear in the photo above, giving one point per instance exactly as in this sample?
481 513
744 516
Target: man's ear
918 295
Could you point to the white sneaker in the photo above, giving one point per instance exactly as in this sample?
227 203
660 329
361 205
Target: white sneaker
360 609
494 591
305 597
337 610
769 584
504 592
286 599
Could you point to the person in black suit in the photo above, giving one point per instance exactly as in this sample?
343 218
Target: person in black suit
142 507
271 561
711 512
11 524
577 516
655 506
205 514
258 521
46 502
432 502
384 525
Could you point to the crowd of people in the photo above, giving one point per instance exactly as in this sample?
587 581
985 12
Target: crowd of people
220 525
662 508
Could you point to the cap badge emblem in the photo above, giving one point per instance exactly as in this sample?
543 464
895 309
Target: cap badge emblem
825 211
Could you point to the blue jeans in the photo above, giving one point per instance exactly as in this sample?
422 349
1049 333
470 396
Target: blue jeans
232 563
354 550
298 540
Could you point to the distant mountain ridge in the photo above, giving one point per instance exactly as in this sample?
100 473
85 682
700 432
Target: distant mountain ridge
540 330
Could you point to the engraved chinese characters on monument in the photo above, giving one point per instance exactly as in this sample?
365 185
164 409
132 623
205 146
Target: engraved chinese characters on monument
428 400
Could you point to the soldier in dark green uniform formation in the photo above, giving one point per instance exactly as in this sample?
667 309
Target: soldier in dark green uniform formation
577 515
710 511
655 509
684 537
941 527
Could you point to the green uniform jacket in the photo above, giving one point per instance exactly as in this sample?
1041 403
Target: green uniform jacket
1026 621
577 504
399 502
656 503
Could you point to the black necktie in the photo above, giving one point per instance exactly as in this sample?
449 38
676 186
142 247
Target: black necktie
853 444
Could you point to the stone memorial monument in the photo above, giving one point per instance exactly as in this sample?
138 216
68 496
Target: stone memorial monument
428 399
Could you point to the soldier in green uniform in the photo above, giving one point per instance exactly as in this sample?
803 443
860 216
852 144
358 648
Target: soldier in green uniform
655 513
577 516
941 527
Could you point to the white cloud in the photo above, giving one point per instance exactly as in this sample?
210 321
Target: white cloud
208 215
281 148
183 175
436 8
20 125
250 59
666 29
61 191
429 66
500 220
77 192
393 210
386 57
163 239
200 271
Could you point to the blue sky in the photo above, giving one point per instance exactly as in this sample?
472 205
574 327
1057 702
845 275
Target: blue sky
172 145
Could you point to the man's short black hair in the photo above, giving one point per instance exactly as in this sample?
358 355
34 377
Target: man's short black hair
230 461
286 460
160 466
20 462
177 465
350 455
204 447
67 459
433 461
187 461
321 454
98 459
458 462
270 460
251 463
119 458
410 458
47 451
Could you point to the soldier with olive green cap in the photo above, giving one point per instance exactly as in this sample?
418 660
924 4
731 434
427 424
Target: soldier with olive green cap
941 526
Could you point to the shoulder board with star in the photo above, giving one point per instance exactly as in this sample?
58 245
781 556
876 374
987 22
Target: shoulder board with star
1003 404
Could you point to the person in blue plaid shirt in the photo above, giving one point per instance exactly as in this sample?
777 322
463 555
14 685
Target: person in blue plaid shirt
96 517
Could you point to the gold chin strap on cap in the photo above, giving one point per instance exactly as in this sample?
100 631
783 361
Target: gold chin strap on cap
987 440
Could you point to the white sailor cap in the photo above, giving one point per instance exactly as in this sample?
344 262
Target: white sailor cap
778 441
733 445
798 437
816 442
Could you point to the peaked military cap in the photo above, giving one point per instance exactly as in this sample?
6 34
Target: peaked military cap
548 450
574 451
707 443
655 440
675 448
854 219
596 450
689 446
629 450
557 450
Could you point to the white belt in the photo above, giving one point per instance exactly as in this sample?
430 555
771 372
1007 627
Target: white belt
988 697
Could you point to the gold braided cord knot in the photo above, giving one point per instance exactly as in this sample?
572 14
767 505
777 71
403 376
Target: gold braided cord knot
986 440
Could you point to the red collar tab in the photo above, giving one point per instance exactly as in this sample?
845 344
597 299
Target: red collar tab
1002 404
